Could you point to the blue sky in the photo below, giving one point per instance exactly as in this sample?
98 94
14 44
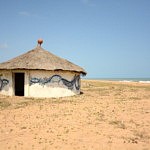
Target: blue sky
108 38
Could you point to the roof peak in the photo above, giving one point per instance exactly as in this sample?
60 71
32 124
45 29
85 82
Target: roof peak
40 41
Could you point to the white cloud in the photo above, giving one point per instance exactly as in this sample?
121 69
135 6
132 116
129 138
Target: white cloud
27 14
4 46
87 2
24 13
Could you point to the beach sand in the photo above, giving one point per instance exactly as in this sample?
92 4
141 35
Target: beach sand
106 116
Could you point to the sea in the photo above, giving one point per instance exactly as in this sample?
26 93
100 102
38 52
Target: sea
140 80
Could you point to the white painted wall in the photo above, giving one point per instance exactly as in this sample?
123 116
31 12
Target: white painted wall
7 89
51 89
37 90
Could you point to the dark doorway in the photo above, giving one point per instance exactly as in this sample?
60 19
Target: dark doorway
19 84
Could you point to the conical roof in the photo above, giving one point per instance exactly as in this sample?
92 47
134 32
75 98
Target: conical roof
40 59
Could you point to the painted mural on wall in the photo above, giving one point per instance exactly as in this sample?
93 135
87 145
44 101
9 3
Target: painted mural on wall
3 83
74 83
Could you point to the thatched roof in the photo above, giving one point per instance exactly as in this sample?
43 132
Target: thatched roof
40 59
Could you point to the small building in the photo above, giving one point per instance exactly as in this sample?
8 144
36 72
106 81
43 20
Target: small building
39 73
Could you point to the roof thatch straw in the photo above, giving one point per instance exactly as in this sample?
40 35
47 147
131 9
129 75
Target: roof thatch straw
40 59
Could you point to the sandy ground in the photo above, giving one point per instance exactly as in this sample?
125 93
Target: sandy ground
107 116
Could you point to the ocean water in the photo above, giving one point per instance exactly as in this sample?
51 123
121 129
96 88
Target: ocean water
141 80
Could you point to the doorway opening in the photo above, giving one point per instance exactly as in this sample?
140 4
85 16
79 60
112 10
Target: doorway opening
19 84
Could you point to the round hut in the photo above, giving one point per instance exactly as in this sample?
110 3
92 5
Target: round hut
39 73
